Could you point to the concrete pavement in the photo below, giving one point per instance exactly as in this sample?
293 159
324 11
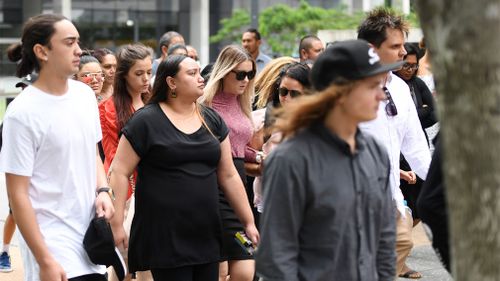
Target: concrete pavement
424 260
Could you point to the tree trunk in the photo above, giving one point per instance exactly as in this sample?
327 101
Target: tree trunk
463 39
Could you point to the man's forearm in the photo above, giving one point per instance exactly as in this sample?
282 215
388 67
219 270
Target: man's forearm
24 215
101 174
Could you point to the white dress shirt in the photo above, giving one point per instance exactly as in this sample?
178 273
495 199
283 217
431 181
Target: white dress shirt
401 133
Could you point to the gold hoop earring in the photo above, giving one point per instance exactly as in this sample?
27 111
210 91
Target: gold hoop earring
174 95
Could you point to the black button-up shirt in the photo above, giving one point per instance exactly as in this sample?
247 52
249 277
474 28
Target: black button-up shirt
328 213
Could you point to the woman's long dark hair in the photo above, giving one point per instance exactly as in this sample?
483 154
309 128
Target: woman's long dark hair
126 57
168 67
298 71
100 53
37 30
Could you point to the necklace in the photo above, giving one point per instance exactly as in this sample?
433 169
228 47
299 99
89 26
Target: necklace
178 116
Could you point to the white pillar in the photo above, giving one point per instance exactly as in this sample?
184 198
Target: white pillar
406 7
200 29
349 4
401 5
367 5
62 7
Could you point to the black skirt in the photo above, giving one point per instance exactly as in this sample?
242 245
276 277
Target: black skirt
231 250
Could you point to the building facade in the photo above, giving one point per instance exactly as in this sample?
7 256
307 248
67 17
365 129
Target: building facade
111 23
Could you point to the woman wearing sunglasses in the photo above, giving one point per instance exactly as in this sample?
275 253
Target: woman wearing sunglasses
410 183
292 82
229 91
265 81
422 96
90 73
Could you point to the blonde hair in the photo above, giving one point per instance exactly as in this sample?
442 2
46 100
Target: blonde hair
228 59
307 110
266 80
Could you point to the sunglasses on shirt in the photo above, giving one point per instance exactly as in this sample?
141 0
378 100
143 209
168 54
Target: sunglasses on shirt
390 107
284 92
240 75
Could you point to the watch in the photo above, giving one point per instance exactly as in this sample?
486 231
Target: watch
259 157
108 190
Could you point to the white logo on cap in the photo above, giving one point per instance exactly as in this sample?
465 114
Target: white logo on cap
373 56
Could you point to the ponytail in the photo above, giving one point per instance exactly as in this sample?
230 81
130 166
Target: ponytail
14 52
37 30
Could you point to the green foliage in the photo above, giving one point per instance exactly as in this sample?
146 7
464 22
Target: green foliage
232 27
282 26
413 19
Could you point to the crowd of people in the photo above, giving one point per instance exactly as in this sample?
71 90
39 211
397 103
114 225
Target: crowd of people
252 167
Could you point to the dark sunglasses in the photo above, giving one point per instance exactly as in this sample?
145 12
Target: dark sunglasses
284 92
390 107
240 75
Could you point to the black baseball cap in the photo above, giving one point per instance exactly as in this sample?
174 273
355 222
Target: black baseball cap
348 60
100 247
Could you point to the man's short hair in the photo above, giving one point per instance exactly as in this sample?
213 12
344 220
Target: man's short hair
373 28
254 31
166 39
175 47
306 42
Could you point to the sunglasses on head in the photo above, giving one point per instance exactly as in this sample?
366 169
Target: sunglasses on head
240 75
284 92
390 107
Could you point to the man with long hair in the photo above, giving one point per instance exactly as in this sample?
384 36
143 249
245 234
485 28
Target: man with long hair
328 212
55 177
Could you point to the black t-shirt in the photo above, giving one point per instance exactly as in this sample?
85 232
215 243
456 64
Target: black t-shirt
176 221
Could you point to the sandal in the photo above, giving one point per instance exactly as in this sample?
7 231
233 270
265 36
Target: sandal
411 274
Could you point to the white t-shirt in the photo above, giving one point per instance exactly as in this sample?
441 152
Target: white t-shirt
52 140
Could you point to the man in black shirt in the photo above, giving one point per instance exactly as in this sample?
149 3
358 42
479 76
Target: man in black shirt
328 210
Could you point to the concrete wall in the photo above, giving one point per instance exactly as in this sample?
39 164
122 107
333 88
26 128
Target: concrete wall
339 35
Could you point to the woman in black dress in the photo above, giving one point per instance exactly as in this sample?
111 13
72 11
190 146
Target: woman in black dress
229 92
182 152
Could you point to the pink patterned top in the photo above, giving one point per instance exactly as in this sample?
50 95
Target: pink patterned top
240 126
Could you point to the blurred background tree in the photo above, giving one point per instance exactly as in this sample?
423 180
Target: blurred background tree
282 26
232 28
